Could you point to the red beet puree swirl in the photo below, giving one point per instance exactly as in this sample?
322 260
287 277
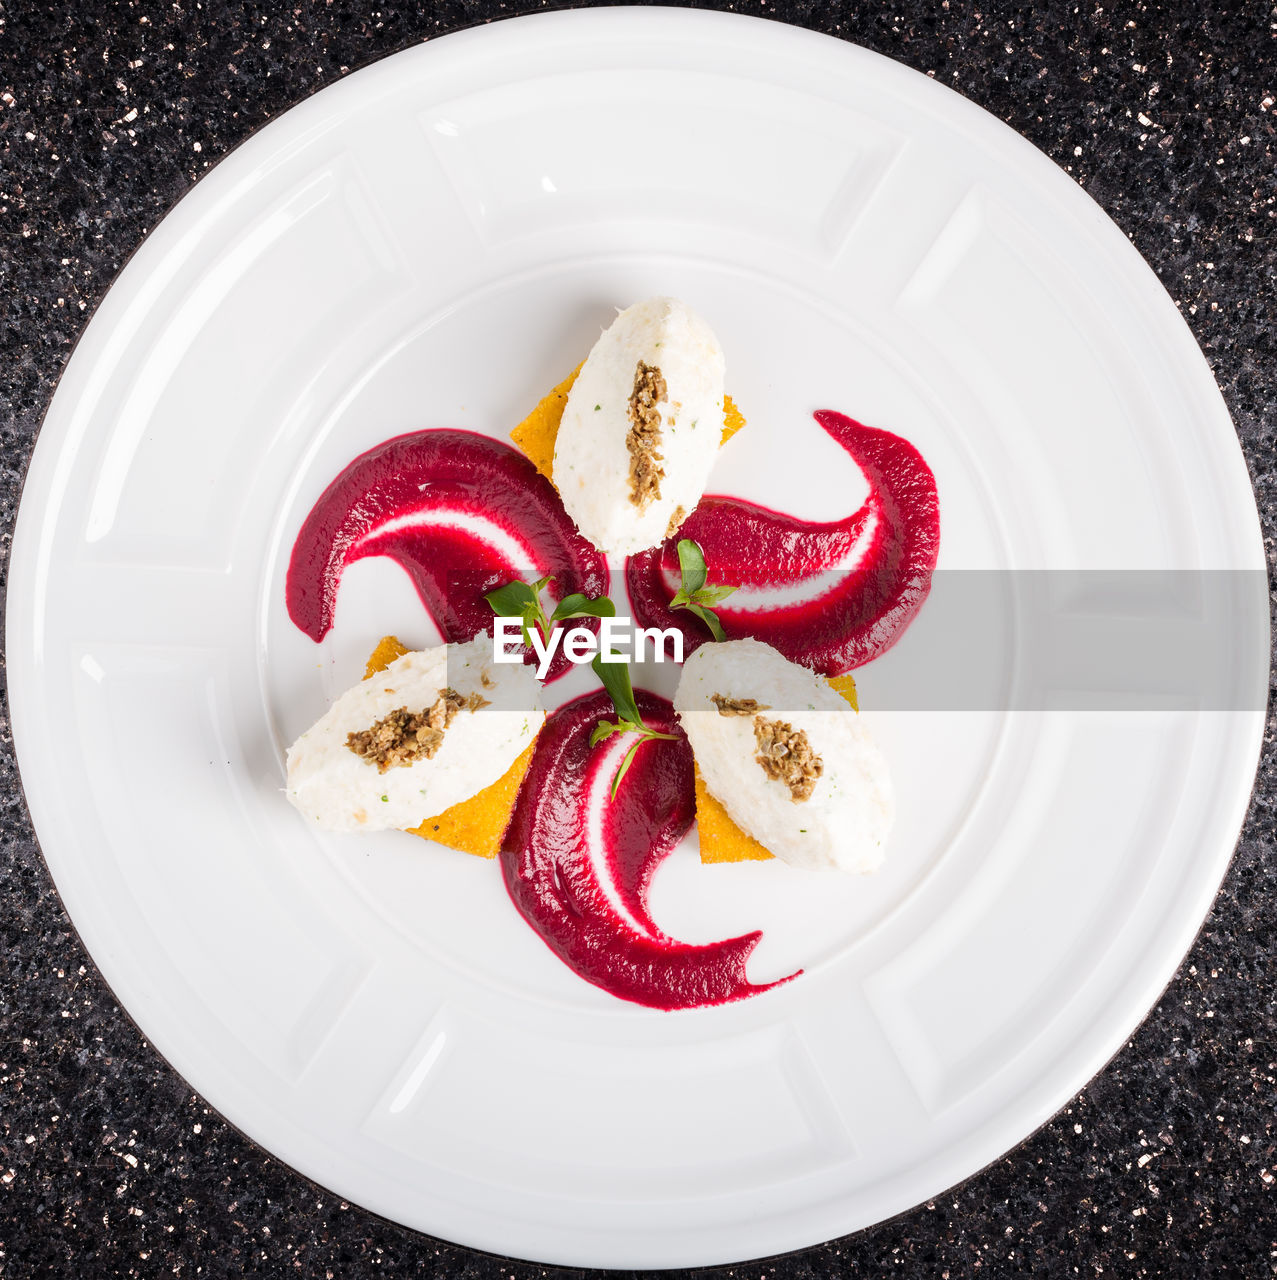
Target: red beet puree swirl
578 865
460 512
830 596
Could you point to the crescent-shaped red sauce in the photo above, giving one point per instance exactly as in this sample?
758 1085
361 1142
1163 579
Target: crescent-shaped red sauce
831 596
579 864
461 513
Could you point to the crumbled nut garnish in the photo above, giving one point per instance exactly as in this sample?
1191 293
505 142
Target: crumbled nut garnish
644 435
737 706
398 739
787 756
486 680
680 514
404 736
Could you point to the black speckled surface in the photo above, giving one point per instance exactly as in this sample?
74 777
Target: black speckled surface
1163 1166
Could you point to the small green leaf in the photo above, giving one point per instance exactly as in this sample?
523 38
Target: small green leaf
615 676
511 600
624 767
691 561
597 407
578 605
710 619
568 606
696 594
530 617
711 595
605 729
522 600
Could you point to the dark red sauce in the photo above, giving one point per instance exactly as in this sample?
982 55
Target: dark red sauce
585 891
856 612
461 513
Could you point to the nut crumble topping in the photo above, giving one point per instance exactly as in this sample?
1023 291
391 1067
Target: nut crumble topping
787 756
737 706
403 737
676 520
644 435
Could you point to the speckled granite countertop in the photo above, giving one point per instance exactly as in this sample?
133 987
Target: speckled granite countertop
1164 1166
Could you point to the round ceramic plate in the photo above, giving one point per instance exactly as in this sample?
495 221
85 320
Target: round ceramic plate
435 242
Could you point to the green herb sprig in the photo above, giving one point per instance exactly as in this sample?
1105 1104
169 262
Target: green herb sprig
615 676
522 600
696 594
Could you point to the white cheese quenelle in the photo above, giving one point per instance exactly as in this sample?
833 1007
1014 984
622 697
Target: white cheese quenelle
432 729
641 427
786 756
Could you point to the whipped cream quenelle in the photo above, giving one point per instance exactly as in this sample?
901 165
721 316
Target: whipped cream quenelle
414 739
641 427
786 756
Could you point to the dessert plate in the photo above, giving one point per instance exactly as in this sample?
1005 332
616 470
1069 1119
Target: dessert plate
435 242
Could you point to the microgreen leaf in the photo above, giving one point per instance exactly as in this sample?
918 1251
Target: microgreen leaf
691 562
606 728
528 619
511 600
710 619
695 594
578 605
711 595
624 767
615 676
522 600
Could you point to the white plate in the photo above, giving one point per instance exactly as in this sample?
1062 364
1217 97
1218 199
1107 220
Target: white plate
435 241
